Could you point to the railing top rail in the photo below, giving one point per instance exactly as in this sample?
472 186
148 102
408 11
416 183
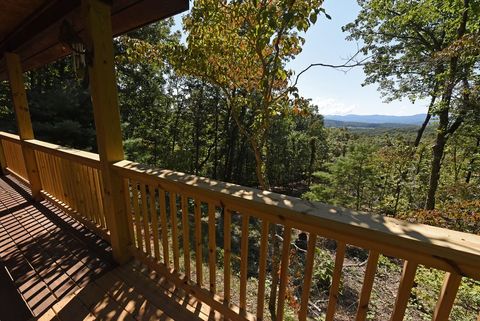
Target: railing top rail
433 246
79 156
11 137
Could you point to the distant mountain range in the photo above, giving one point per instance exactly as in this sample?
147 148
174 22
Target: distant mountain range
380 119
373 121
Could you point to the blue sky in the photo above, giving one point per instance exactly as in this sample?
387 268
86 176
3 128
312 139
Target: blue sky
336 92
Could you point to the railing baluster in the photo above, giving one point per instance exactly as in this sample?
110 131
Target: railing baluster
81 190
367 286
146 224
86 193
186 237
227 253
86 186
94 197
136 209
163 223
262 270
198 243
284 271
67 183
128 209
307 279
44 174
336 277
447 297
212 247
154 216
244 263
173 221
52 168
76 199
99 195
404 290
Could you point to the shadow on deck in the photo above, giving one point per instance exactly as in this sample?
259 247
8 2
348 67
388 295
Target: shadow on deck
54 268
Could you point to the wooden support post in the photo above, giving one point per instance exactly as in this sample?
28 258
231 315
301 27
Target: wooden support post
3 160
103 90
24 123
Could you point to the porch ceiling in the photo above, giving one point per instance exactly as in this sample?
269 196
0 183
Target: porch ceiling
31 28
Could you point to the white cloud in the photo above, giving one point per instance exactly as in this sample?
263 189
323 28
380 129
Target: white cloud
332 106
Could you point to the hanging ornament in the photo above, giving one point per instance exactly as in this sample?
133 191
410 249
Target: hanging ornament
70 39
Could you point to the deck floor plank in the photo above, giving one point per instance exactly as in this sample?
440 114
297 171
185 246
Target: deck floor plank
56 269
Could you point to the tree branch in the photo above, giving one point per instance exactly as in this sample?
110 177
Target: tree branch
348 65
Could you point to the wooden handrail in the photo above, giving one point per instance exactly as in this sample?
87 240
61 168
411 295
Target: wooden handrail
79 156
75 155
436 247
11 137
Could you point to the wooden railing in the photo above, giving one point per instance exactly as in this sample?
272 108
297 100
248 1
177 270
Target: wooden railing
70 178
209 238
13 155
189 211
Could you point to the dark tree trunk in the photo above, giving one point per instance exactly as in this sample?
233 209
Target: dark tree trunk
468 177
197 133
231 144
443 132
437 155
215 150
313 156
421 130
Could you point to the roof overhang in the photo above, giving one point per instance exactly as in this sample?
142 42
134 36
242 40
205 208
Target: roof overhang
35 38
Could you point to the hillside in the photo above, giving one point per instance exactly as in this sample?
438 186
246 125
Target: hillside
356 120
365 125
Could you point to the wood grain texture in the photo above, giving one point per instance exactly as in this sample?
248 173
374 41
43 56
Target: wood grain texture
96 16
367 286
24 123
307 278
404 290
435 247
447 297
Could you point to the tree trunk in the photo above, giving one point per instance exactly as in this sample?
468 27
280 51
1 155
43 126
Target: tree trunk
437 154
215 157
421 130
398 191
472 160
443 129
313 156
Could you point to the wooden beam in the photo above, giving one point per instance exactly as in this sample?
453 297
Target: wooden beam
24 123
103 90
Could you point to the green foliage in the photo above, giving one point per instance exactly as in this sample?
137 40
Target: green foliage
347 181
461 216
427 288
323 268
242 47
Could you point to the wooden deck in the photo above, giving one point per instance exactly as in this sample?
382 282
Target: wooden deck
53 268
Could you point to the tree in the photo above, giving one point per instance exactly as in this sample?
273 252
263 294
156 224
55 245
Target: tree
348 181
242 47
414 52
